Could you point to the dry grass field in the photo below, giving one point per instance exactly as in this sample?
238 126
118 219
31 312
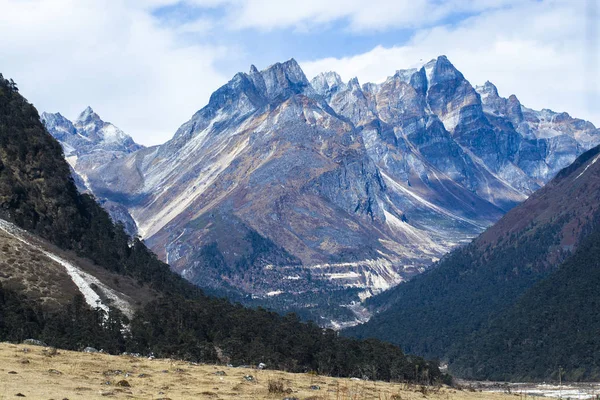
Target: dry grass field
35 373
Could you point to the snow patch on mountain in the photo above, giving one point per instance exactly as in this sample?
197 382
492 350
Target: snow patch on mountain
81 279
588 166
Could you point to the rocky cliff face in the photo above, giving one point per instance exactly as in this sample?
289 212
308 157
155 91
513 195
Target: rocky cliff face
306 194
88 144
490 145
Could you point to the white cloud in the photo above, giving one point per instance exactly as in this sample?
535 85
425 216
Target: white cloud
147 76
374 15
536 50
67 54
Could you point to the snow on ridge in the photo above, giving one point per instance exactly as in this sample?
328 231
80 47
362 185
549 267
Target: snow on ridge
81 279
111 133
587 166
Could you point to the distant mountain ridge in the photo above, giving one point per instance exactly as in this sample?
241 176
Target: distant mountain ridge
312 195
88 144
88 135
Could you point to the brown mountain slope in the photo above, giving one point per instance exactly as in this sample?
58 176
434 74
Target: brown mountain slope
573 196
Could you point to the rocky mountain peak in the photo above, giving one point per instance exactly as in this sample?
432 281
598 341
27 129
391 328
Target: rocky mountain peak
405 75
89 124
53 116
290 68
441 70
60 125
488 89
88 133
326 82
371 88
353 84
87 115
228 95
513 99
491 100
245 93
448 92
495 104
284 79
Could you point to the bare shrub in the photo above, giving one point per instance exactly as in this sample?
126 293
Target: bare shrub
276 386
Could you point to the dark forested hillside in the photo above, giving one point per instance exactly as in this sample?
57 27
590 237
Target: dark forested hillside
554 327
38 194
474 284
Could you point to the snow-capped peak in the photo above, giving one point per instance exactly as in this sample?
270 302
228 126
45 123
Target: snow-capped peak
90 125
89 134
87 114
488 89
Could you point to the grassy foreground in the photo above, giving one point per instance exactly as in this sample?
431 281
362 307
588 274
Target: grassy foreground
36 373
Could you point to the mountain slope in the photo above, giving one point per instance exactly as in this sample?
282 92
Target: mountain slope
473 284
37 192
316 195
554 328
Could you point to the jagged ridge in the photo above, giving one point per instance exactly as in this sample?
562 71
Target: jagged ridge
88 144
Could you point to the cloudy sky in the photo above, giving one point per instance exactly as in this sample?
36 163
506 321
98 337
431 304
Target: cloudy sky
148 65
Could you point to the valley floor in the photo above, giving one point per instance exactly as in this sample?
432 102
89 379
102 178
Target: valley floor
571 391
32 372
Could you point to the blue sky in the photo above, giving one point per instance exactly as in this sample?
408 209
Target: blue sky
148 65
263 47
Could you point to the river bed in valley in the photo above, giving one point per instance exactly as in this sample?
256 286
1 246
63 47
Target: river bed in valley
579 391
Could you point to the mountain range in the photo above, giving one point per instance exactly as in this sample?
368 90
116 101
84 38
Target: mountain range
315 195
71 278
274 154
